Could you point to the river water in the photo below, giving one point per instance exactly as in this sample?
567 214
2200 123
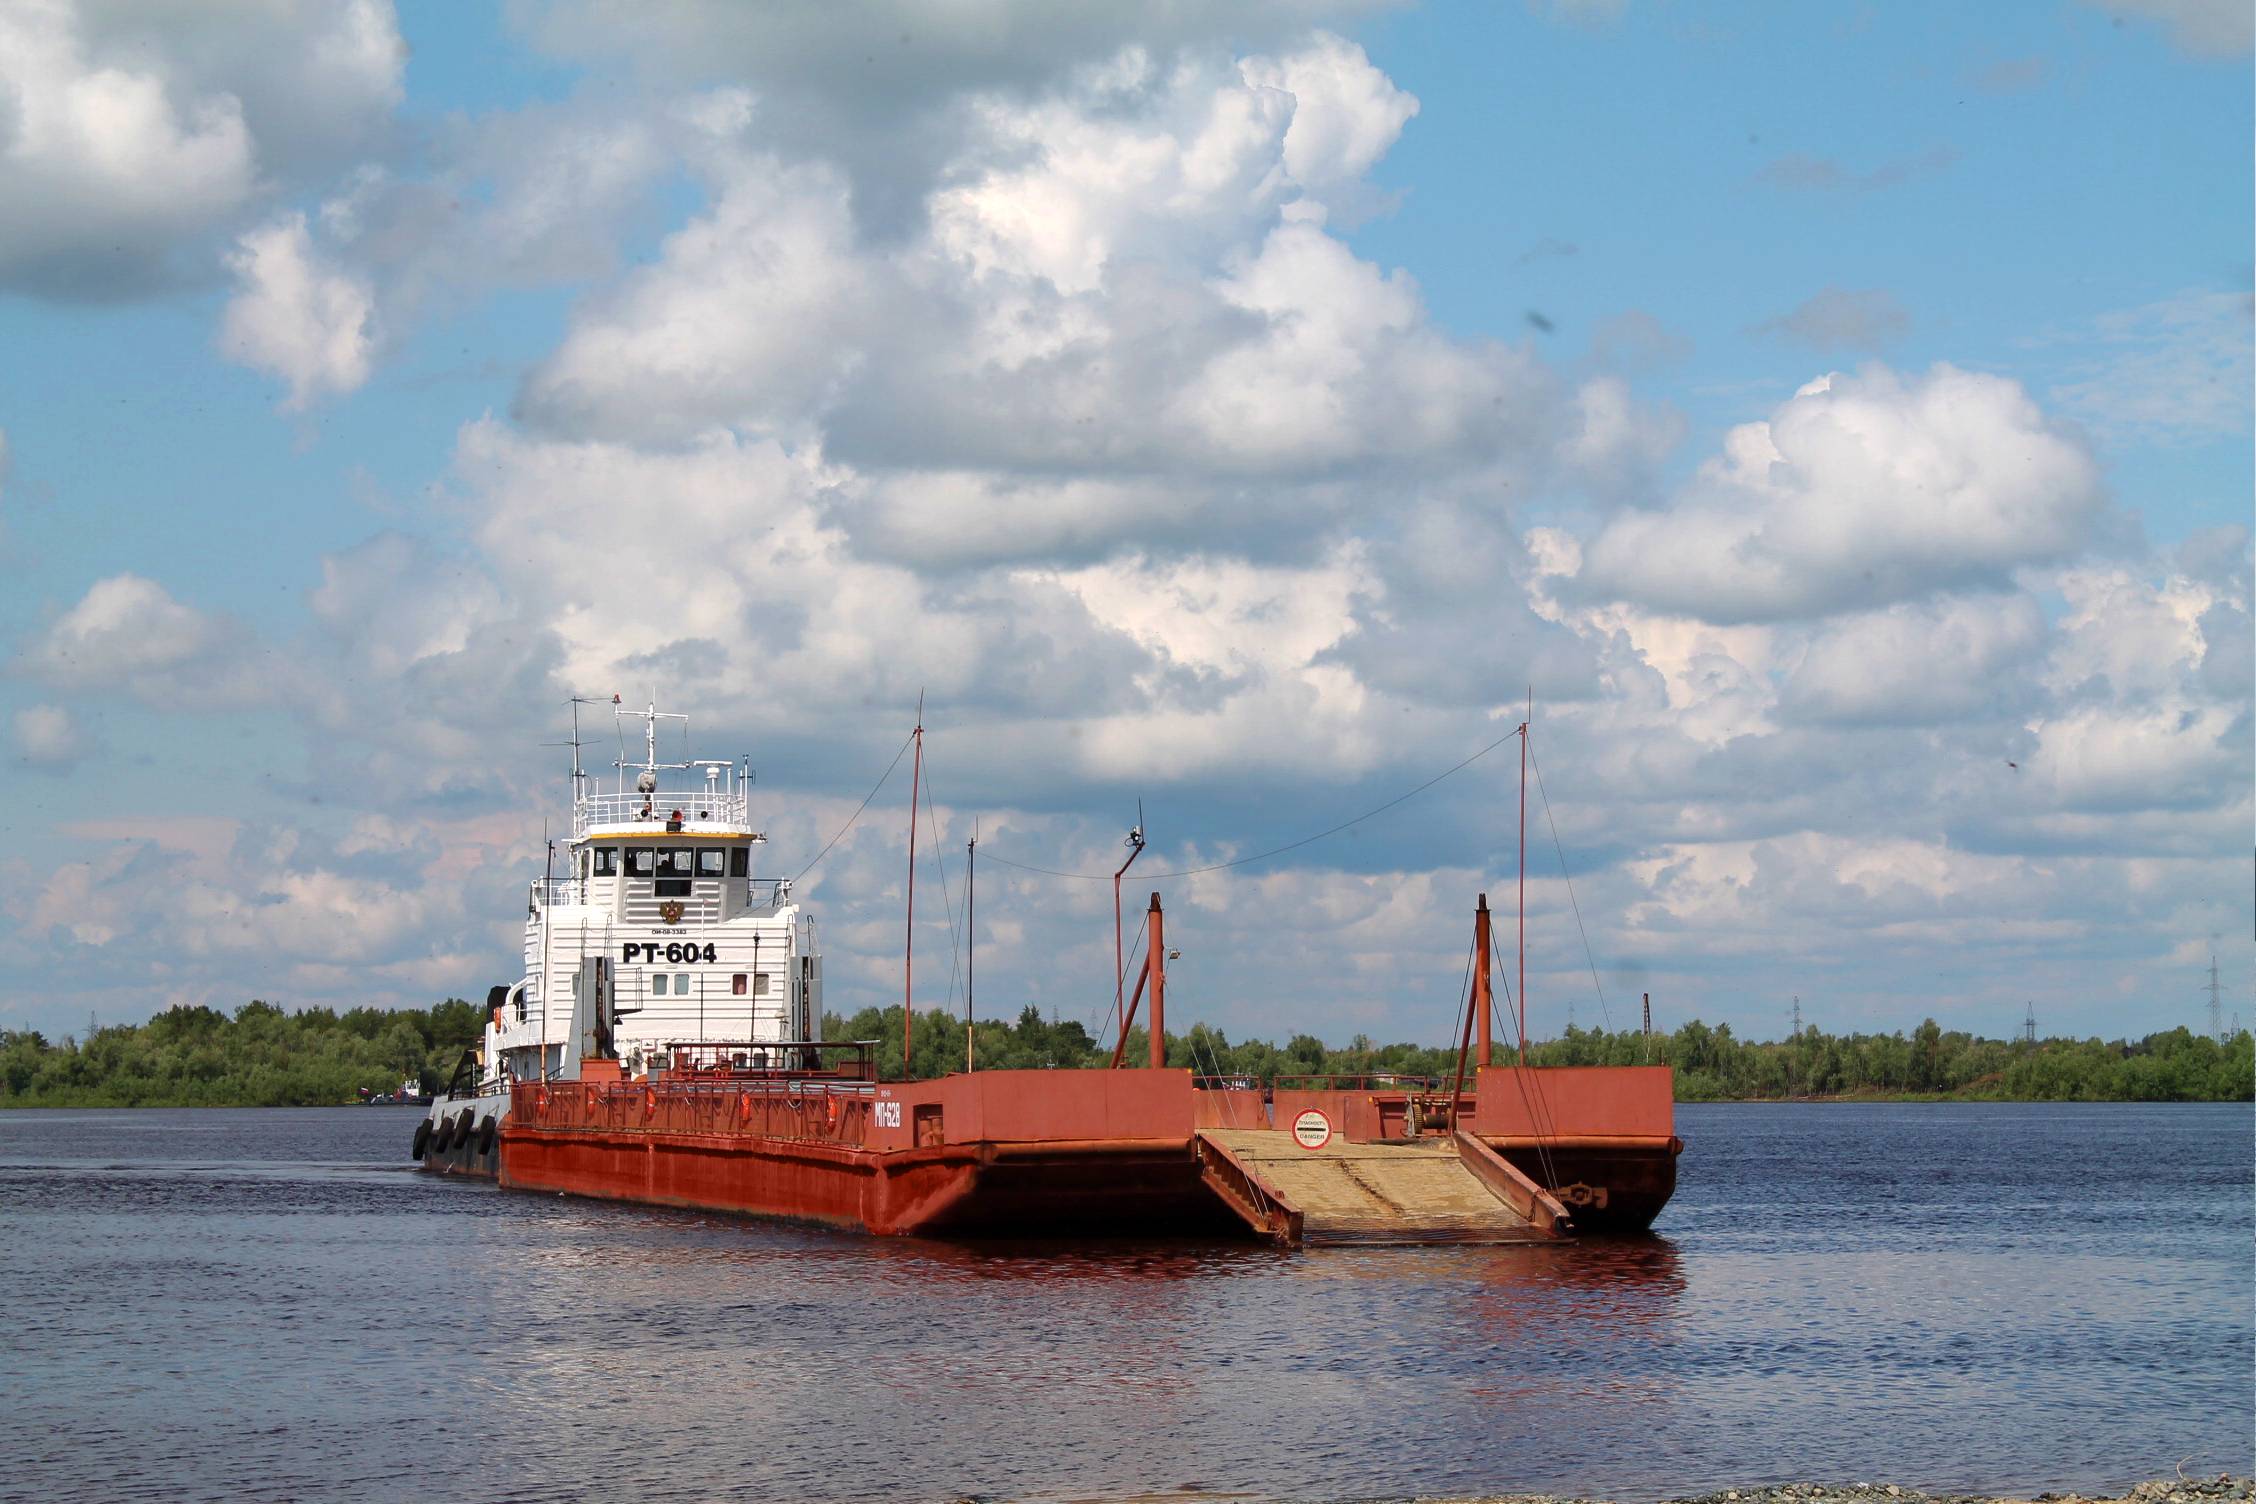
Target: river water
272 1305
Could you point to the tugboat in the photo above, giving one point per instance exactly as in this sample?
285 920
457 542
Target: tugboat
661 1047
658 936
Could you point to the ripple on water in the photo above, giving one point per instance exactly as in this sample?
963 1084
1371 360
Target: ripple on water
269 1305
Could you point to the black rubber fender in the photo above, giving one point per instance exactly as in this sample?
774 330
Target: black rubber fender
422 1139
464 1127
444 1137
486 1131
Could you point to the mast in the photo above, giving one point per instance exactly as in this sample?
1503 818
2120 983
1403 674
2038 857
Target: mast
1119 961
908 948
1476 1016
1523 873
971 933
548 925
1155 964
1483 1029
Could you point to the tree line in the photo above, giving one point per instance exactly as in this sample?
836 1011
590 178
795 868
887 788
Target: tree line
1712 1064
264 1056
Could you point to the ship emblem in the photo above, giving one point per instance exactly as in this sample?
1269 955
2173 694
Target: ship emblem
670 911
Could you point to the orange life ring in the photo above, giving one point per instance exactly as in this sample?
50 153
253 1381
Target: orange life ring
649 1103
834 1109
540 1099
744 1107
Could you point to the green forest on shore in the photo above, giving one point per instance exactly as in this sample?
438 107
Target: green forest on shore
264 1056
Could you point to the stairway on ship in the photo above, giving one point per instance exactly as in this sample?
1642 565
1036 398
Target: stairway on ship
1417 1191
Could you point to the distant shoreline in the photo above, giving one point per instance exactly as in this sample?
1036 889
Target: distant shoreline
265 1056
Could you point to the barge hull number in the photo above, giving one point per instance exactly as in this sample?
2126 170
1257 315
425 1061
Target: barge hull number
673 952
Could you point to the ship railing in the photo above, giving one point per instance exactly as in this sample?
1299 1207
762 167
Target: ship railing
754 893
699 808
1363 1081
739 1059
812 1108
548 892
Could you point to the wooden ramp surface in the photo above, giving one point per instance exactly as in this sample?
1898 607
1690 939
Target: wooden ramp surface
1416 1192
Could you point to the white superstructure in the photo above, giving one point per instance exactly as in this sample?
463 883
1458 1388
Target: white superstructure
658 889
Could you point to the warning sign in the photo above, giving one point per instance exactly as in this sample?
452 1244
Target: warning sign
1312 1130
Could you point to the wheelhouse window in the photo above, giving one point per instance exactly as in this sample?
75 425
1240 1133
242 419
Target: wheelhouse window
606 861
641 862
740 861
711 862
674 868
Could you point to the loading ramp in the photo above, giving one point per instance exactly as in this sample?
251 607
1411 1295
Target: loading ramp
1423 1190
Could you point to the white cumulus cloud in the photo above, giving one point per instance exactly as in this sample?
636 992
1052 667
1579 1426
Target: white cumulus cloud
46 735
134 131
297 317
1860 491
128 634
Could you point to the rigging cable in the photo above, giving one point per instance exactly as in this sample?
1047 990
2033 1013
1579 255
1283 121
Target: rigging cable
857 814
1461 1025
947 904
1604 1012
1120 1017
1538 1105
1262 856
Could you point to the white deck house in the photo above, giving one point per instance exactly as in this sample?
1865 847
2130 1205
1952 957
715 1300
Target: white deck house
659 882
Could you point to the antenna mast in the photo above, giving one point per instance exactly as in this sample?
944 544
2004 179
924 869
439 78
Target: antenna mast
1523 873
579 771
971 933
908 949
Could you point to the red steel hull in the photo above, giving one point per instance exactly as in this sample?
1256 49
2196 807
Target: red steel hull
1037 1153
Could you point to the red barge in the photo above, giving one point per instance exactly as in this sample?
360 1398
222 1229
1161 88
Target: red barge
771 1123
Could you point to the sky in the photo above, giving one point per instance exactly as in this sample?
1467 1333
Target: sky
1833 419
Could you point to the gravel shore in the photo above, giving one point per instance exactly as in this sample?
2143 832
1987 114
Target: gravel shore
2223 1489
